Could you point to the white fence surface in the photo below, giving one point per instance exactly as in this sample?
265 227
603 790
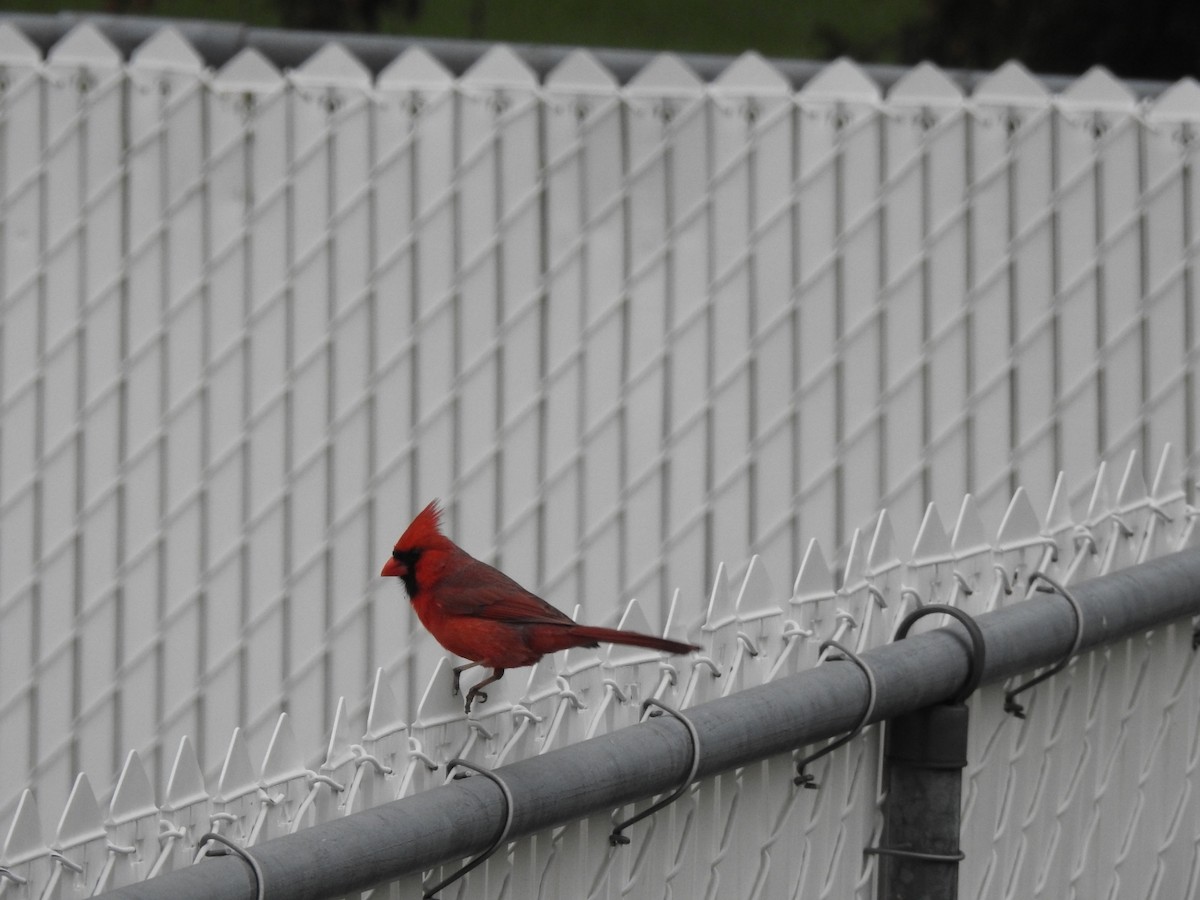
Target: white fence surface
1094 794
252 320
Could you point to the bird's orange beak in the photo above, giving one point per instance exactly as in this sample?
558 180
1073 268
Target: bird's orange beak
392 568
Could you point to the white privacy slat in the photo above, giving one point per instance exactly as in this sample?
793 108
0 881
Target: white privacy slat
1167 229
584 257
582 176
250 323
666 171
718 833
1017 131
912 333
1113 270
752 126
414 222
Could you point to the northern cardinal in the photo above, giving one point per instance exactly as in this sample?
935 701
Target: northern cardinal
479 613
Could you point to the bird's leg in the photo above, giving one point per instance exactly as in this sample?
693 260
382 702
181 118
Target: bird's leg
458 670
474 692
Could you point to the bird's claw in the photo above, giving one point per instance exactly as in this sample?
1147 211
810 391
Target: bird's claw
471 695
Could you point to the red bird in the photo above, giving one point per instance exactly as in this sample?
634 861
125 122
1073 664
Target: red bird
479 613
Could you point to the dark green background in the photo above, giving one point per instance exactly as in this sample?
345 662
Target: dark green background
1151 39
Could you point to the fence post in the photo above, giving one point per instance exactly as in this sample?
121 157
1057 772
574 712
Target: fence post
924 754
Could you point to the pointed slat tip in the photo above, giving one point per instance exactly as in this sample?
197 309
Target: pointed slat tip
750 73
185 785
1099 90
24 840
84 45
842 81
1132 491
720 599
1168 477
969 536
666 75
814 580
332 66
250 71
383 712
580 71
882 554
167 51
81 821
1012 85
339 749
1020 525
16 49
1178 103
237 776
500 67
283 759
437 704
133 798
923 85
932 543
757 594
415 69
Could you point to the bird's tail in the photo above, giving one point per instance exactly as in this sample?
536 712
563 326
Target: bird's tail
631 638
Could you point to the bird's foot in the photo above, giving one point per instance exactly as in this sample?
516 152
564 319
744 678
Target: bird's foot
456 682
471 695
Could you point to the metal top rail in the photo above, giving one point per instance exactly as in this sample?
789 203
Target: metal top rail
443 823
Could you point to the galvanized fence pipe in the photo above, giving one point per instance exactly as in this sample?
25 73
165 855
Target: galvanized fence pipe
464 817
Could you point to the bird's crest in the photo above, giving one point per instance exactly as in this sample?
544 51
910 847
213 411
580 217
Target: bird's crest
424 530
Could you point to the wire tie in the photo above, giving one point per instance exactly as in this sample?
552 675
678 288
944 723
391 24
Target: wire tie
565 692
318 778
803 777
1083 535
233 848
477 727
791 631
978 647
745 641
520 713
66 863
416 751
956 856
1156 508
877 594
1010 704
845 617
671 673
495 845
1126 531
167 831
616 690
1002 572
616 837
361 756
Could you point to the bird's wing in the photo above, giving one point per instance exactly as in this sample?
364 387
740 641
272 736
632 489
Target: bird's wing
477 589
